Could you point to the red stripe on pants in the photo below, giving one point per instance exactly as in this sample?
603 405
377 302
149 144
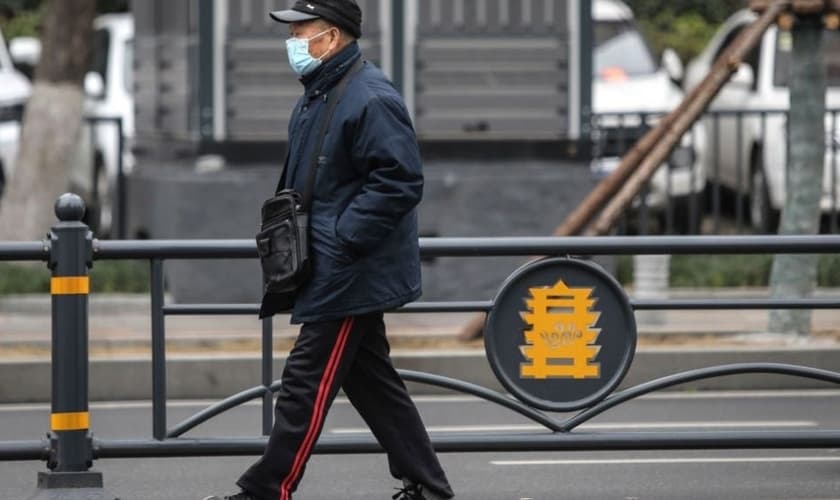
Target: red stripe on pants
318 413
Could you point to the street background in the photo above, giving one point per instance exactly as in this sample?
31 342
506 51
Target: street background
169 120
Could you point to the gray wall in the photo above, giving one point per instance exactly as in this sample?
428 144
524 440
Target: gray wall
166 68
493 198
174 202
462 198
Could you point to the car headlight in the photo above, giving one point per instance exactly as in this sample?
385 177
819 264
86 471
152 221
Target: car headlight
12 113
682 157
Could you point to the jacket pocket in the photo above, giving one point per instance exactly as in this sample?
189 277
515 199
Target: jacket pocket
326 243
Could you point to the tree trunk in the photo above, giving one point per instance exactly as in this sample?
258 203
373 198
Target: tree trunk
51 124
795 275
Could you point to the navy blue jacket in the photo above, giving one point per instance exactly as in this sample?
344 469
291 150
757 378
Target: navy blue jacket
363 225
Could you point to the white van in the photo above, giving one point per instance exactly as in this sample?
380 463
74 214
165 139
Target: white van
110 94
629 85
14 91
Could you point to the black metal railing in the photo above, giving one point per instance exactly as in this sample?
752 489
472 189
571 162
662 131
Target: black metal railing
71 249
72 245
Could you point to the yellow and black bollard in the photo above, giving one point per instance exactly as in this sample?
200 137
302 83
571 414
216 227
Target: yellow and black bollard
71 450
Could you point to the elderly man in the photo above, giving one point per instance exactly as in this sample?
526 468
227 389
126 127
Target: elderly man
365 259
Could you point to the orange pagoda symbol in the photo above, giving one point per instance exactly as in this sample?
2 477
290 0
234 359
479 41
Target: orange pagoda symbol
561 340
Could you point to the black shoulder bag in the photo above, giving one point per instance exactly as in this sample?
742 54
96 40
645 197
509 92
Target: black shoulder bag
283 240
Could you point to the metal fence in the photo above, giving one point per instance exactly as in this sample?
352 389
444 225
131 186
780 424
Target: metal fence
71 249
712 175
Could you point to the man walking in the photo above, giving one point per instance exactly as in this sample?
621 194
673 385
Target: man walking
365 258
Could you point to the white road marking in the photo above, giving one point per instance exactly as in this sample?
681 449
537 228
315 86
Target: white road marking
603 426
459 398
134 405
757 394
662 461
455 398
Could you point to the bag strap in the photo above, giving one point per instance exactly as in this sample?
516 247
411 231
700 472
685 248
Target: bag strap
282 182
332 99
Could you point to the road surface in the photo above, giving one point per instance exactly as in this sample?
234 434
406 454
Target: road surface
628 475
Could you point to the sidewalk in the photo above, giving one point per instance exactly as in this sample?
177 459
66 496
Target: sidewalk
121 325
212 357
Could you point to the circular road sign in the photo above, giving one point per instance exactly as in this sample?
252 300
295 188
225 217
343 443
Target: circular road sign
561 334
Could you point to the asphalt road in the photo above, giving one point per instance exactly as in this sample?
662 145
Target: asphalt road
728 474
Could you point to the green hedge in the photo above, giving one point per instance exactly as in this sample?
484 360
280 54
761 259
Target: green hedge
707 271
105 277
683 25
699 271
24 17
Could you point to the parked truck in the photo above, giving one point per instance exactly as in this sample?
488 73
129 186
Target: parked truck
211 73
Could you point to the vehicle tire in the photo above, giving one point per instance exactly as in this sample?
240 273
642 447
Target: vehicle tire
686 220
763 217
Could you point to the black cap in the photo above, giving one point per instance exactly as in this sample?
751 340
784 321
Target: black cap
345 14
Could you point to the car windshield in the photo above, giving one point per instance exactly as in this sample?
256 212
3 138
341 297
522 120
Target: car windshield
620 51
784 49
99 59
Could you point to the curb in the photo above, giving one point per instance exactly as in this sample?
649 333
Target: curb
216 377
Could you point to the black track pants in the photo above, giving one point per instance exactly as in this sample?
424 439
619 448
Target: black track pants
352 354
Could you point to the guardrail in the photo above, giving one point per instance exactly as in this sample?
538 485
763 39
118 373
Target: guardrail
71 250
718 157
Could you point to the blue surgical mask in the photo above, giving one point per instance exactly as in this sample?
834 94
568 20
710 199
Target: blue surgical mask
299 58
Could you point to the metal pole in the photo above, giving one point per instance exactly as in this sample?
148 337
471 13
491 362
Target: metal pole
158 353
267 374
69 261
739 174
71 450
502 442
716 194
586 58
694 218
398 49
121 196
833 166
206 113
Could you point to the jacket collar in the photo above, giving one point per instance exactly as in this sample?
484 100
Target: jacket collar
328 74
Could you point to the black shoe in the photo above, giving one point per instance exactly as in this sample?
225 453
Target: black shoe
409 492
414 491
242 495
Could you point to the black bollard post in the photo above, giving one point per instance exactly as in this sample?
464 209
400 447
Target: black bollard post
71 450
